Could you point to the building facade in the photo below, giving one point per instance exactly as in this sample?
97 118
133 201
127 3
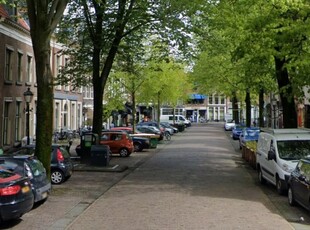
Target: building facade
17 75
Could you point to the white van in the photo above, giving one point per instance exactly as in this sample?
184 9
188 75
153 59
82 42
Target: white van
178 119
277 154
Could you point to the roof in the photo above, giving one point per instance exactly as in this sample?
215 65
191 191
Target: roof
4 14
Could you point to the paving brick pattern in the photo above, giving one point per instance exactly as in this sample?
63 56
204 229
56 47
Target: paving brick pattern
196 181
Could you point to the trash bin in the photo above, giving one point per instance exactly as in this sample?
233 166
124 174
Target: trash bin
153 143
181 127
100 155
87 140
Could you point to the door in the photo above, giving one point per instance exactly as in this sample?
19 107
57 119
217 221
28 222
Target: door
302 189
267 166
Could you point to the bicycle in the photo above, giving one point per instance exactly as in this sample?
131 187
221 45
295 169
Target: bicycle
167 136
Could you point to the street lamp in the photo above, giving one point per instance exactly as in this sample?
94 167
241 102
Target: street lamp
28 98
84 111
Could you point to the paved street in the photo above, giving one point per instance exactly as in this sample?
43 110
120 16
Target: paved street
196 181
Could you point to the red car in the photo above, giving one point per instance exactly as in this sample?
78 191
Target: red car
119 142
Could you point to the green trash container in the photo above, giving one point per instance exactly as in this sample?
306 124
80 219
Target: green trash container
181 127
153 143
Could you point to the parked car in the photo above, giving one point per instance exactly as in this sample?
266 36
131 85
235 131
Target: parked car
236 131
152 124
248 134
16 197
152 130
29 166
229 125
119 142
278 152
299 184
167 125
176 119
167 128
139 143
62 166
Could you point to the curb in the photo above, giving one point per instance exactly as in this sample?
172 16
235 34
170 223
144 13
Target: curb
92 168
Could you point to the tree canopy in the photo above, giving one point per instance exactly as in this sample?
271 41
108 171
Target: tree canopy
256 45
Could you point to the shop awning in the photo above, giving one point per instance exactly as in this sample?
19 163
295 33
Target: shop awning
198 96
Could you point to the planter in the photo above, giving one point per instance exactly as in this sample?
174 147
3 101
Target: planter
249 156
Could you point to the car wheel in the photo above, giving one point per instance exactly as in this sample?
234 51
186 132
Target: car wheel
279 185
57 177
261 179
124 152
137 147
290 197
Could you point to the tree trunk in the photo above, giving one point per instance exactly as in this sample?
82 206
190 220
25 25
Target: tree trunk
44 111
235 108
133 96
261 108
286 94
248 108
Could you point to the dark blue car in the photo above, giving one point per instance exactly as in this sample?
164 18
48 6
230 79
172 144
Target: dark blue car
299 184
236 131
248 134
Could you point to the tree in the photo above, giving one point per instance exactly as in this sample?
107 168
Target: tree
44 15
263 36
167 83
99 28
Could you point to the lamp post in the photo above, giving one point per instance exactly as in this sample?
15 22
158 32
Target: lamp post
28 98
84 110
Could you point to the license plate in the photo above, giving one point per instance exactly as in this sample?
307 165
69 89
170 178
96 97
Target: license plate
44 195
25 189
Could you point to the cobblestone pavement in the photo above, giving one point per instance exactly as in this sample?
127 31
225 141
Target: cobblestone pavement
196 181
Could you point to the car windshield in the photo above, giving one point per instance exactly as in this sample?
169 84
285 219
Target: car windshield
293 149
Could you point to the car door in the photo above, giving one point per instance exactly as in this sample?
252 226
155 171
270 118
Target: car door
115 142
302 184
267 165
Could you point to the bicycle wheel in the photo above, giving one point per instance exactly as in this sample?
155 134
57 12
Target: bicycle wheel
167 136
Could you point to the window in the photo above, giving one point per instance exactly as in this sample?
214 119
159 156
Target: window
29 69
216 99
18 121
6 123
223 100
19 67
8 65
57 67
210 100
305 170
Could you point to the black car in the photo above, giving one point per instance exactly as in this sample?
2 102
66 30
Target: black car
140 143
16 197
299 184
61 163
28 166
